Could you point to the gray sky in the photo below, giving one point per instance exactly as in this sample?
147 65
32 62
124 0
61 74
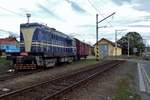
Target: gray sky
77 17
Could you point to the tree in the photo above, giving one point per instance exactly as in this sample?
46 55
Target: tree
135 41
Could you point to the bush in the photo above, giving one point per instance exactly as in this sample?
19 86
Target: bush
146 58
4 64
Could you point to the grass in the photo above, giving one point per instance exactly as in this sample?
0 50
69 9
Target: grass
4 64
85 61
80 64
146 58
125 91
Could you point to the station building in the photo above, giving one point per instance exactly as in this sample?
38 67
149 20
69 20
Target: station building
107 48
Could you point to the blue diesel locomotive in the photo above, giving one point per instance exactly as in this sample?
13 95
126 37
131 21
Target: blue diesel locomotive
41 45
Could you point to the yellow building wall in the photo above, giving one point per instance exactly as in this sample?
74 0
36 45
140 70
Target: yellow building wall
119 51
111 49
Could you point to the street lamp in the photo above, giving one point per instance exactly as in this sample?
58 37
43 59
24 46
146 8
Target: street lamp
28 17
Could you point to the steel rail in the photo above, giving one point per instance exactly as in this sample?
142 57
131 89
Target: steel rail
64 88
67 89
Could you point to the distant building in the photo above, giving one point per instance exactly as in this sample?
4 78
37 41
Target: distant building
147 51
107 48
9 45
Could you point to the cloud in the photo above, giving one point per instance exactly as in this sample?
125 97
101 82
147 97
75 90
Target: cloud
51 13
133 23
146 18
142 5
78 16
85 26
121 2
148 26
10 11
76 7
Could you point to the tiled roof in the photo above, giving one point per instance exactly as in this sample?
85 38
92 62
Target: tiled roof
7 40
112 43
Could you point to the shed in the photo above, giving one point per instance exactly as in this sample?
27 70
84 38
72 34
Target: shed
107 48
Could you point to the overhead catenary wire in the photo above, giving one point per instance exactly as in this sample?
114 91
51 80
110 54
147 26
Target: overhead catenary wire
94 7
9 32
10 11
97 10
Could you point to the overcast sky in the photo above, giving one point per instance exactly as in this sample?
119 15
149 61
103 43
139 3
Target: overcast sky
77 17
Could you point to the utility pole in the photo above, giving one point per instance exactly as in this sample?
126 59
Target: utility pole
116 33
128 46
97 48
115 42
97 22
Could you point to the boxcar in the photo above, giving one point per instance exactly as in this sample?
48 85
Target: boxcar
82 49
41 45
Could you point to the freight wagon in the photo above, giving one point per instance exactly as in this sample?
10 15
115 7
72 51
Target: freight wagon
42 46
82 49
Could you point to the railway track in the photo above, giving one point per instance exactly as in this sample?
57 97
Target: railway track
52 89
16 74
12 75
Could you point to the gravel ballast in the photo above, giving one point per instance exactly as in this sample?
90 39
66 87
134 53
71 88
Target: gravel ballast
104 86
28 80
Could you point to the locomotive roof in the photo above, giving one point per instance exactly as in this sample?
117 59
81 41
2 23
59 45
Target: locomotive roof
37 25
46 28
